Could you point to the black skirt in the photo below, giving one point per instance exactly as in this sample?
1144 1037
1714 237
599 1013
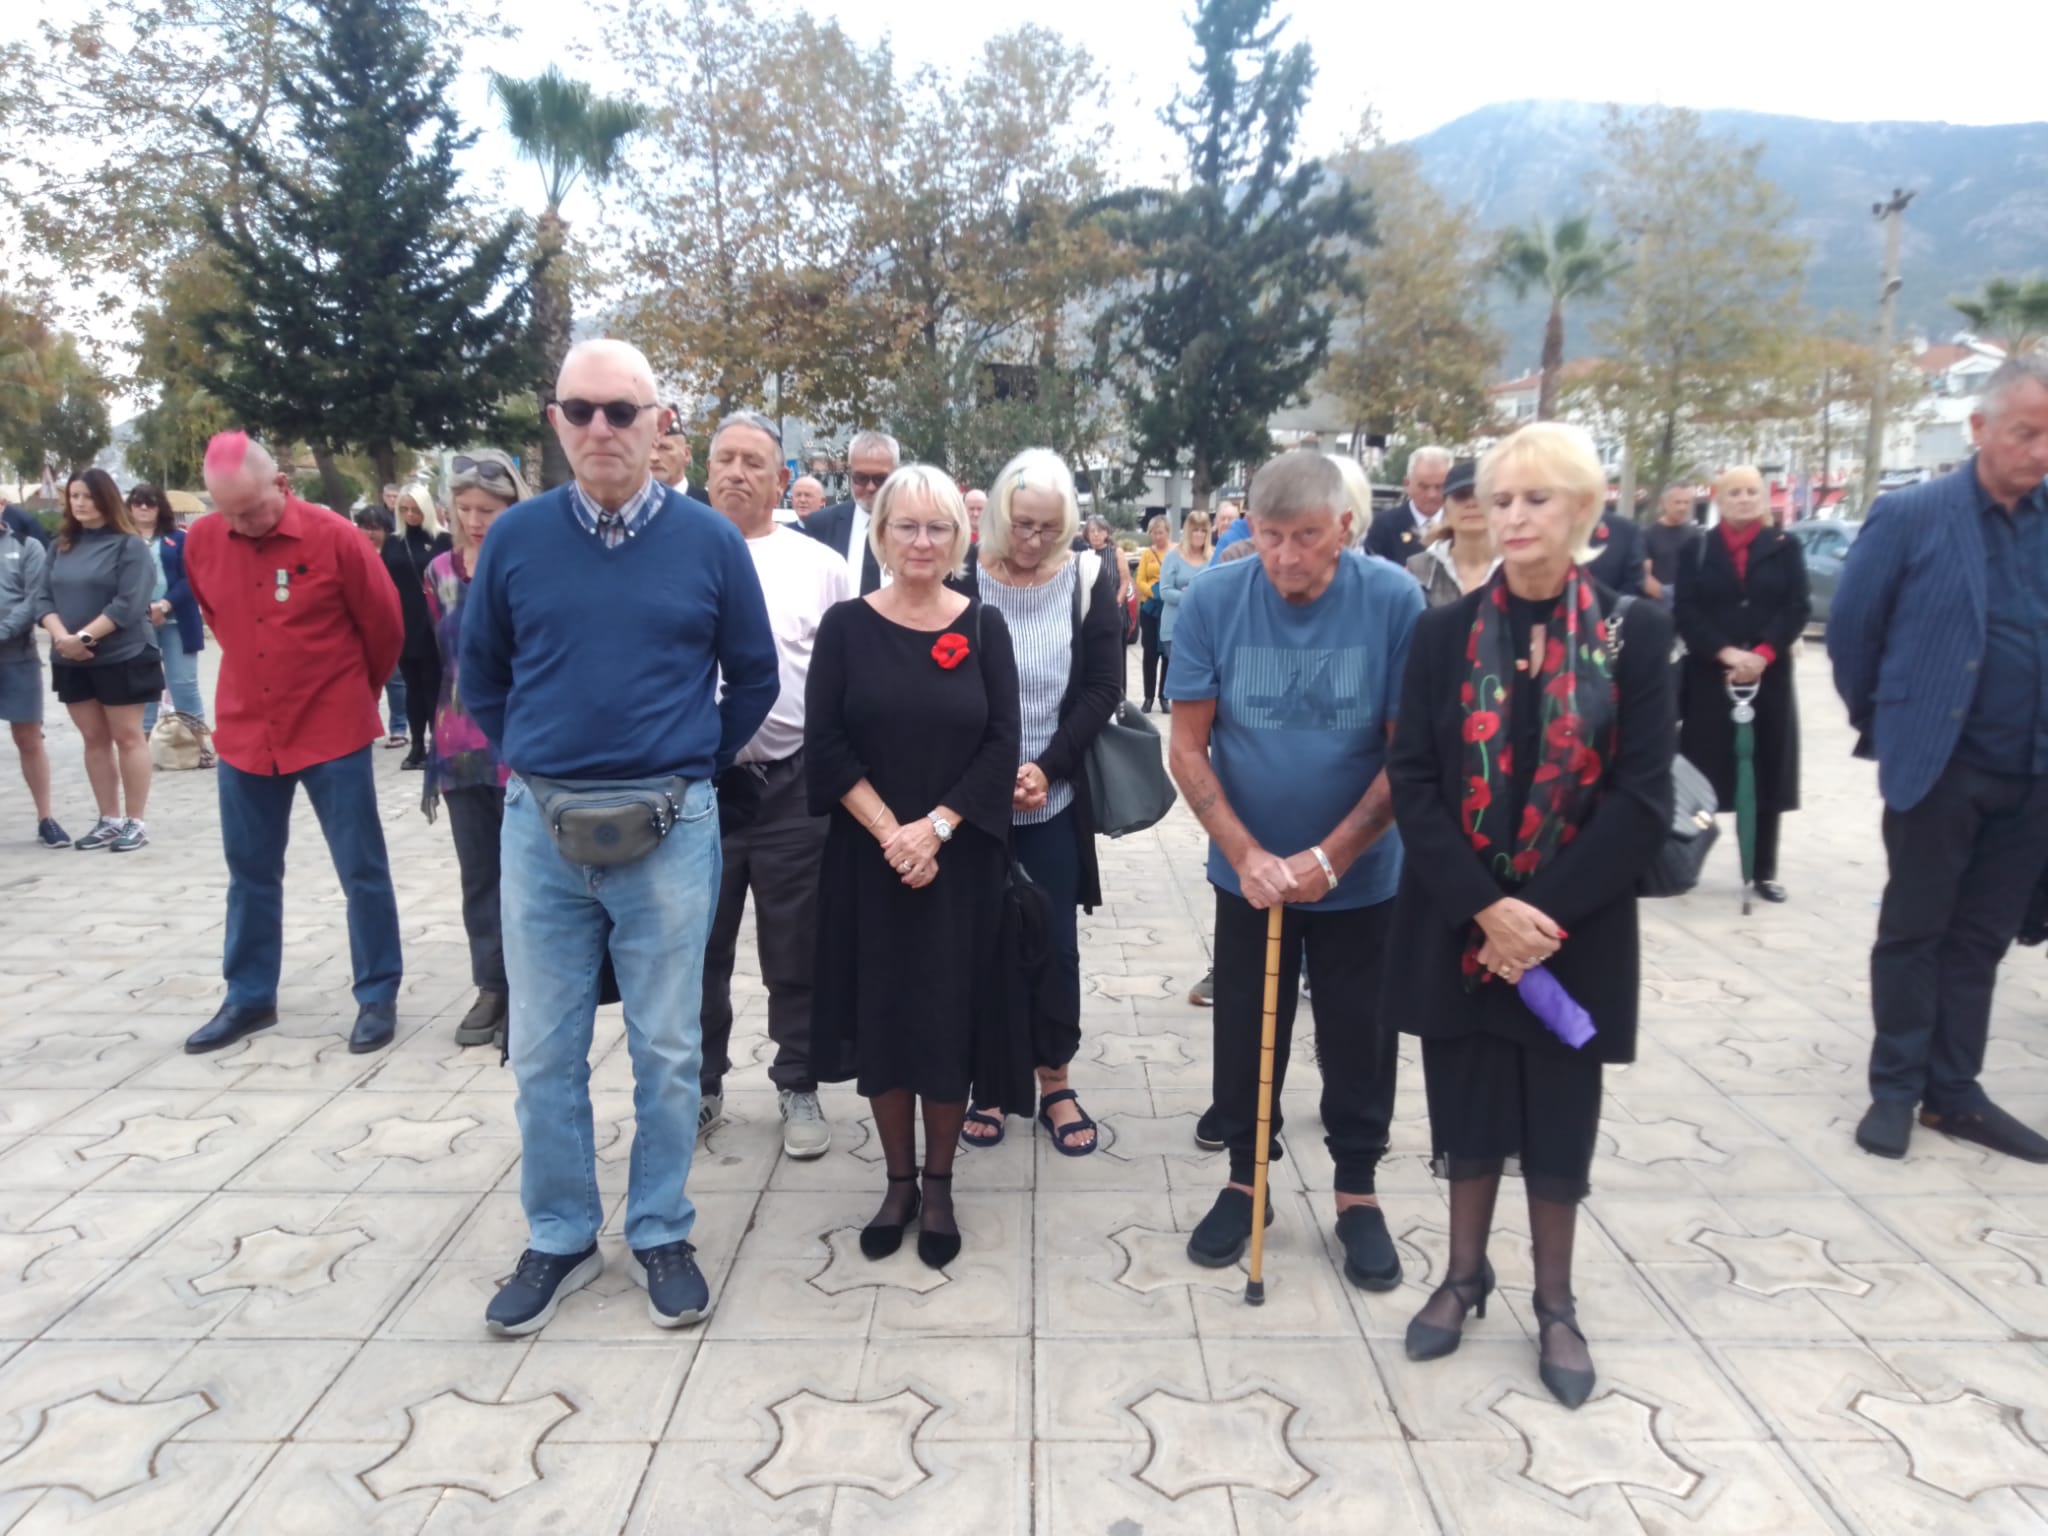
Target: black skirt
1496 1105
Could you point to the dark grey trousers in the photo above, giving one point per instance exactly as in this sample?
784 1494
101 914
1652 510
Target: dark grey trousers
475 816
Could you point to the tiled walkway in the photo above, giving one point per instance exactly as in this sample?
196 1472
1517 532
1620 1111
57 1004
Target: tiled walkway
244 1292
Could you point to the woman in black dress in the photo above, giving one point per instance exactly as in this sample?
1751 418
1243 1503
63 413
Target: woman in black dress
910 744
421 540
1743 603
1531 779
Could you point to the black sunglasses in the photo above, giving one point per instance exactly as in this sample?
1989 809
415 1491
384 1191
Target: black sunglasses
490 471
620 414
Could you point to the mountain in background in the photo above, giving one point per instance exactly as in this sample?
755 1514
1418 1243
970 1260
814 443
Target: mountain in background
1982 209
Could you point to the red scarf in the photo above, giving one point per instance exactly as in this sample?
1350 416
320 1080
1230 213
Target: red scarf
1738 541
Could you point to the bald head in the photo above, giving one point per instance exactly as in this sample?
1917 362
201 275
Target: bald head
604 359
247 488
600 380
806 496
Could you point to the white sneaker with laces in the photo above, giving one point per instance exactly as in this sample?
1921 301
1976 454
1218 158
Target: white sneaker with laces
710 1110
806 1133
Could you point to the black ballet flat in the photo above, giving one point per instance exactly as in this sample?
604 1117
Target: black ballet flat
938 1249
880 1239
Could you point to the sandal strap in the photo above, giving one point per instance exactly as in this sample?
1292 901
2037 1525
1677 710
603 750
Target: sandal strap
902 1178
1567 1318
1460 1288
941 1177
1057 1096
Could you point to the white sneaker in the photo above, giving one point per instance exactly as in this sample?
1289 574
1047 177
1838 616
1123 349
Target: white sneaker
710 1110
806 1133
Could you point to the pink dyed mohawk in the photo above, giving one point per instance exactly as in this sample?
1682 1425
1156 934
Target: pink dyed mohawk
225 453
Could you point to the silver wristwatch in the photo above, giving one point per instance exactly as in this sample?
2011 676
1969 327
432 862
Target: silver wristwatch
941 826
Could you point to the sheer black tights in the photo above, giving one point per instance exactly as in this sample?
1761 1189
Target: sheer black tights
896 1127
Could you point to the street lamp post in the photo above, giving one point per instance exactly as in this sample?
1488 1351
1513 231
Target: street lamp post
1891 215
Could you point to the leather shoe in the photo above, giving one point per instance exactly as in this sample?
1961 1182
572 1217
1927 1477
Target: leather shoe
1990 1126
227 1026
1770 890
375 1025
1886 1129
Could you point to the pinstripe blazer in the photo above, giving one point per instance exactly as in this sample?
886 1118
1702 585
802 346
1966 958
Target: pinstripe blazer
1906 630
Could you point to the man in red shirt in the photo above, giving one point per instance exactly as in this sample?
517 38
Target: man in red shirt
309 628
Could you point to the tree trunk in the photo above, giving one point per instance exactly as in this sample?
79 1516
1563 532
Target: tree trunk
553 313
1553 363
331 487
384 458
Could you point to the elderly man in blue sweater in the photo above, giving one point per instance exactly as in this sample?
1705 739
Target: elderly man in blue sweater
616 651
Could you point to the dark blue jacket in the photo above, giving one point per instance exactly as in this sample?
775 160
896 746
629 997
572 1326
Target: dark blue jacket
178 592
1906 630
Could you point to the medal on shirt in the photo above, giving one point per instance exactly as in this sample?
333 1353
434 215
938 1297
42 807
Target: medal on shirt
284 585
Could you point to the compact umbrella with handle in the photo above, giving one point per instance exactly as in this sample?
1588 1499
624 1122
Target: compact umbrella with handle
1255 1284
1744 716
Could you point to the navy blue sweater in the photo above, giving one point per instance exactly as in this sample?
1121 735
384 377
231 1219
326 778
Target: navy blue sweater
583 662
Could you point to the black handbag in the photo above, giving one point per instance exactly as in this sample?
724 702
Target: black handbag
1690 838
1129 788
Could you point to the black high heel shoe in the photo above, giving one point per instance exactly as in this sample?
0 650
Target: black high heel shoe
1568 1386
1426 1341
938 1249
880 1239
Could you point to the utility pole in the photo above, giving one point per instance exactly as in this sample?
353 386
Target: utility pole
1890 214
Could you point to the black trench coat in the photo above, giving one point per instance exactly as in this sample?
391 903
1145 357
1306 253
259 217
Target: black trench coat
1716 610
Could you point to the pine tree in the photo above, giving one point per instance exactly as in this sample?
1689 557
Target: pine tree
366 309
1239 272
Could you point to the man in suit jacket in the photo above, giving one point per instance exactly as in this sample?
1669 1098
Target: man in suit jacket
1939 638
671 455
871 458
1397 533
1620 557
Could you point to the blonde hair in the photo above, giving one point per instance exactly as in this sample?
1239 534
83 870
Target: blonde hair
936 487
1035 469
1721 480
1562 458
422 498
1357 496
1188 524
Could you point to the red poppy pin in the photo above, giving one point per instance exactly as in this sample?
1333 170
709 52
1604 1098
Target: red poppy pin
949 650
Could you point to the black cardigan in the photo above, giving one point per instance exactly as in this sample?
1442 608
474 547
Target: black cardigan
1588 887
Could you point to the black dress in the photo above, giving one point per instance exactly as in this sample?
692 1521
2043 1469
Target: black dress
908 982
1501 1086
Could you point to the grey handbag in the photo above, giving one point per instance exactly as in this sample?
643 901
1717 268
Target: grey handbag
1128 786
604 824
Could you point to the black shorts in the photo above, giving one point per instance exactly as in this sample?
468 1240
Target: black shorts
134 681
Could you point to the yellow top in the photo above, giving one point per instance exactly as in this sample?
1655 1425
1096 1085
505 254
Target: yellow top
1148 573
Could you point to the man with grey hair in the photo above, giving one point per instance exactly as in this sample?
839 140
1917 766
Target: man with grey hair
1286 680
871 458
1939 638
616 654
806 496
1398 532
770 844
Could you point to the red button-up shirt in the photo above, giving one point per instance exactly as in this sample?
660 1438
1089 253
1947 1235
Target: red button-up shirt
309 629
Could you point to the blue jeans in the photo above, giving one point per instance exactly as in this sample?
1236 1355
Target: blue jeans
394 702
557 918
181 676
255 825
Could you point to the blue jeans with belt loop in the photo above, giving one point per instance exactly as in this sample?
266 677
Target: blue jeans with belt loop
555 917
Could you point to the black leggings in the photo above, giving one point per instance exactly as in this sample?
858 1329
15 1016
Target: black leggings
422 692
1152 656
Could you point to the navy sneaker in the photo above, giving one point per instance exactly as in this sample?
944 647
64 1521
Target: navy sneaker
677 1294
527 1300
51 835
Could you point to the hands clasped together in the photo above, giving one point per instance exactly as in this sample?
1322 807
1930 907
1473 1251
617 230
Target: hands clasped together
1518 937
913 852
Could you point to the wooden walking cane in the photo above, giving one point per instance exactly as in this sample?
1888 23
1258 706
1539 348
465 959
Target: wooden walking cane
1255 1286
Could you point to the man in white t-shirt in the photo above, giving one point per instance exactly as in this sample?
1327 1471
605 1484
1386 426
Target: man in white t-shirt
772 845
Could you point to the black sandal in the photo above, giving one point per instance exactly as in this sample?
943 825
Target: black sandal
879 1239
979 1115
938 1249
1060 1133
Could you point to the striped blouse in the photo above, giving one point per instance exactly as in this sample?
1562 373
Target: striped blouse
1041 622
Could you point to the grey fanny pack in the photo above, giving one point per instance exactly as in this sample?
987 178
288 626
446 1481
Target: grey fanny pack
607 822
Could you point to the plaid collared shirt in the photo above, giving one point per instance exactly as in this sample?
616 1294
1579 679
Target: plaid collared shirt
636 514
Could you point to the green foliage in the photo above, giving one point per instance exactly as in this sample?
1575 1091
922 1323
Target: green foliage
367 308
1565 263
1232 314
53 411
2014 314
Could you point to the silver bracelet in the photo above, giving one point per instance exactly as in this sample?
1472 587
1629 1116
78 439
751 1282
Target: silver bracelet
1329 870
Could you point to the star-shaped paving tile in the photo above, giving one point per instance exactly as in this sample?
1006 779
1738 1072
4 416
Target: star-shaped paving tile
1660 1141
453 1441
851 1270
1965 1445
1109 984
20 1250
288 1053
1784 1261
63 1049
1158 1261
1136 937
1142 1050
417 1141
97 1445
1612 1439
1781 1057
277 1260
827 1444
2028 1248
1694 991
1240 1443
160 1138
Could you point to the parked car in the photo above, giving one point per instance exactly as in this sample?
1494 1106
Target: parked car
1825 545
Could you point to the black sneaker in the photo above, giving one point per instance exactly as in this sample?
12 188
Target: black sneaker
50 835
677 1294
1209 1131
1371 1261
527 1300
101 836
1222 1236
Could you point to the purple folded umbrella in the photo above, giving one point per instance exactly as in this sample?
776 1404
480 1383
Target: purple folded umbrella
1558 1010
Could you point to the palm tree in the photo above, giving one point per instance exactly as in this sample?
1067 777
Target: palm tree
1567 263
2014 313
570 133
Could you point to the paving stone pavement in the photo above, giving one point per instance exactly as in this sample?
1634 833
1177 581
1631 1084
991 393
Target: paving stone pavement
243 1292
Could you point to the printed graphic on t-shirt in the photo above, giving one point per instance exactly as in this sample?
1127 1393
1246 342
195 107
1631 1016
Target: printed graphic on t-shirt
1279 688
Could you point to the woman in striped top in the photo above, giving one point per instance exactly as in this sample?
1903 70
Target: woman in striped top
1060 606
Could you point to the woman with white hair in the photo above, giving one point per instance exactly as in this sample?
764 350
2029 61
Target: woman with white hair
910 745
1066 628
419 521
1531 779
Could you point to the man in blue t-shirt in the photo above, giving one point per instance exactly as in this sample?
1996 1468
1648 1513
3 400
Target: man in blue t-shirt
1286 681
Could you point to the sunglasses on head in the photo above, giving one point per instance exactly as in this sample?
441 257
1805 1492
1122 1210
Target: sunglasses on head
483 471
620 414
